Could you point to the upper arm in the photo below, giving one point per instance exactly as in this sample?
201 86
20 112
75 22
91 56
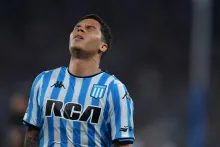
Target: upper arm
127 145
121 116
122 145
33 112
32 137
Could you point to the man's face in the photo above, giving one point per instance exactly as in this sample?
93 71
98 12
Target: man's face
86 36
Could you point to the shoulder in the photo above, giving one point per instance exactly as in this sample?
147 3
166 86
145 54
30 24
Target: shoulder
52 72
116 84
114 81
48 74
118 89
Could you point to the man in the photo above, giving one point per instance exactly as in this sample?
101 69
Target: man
80 105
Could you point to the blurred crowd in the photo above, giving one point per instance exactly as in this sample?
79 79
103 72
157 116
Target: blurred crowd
15 129
150 54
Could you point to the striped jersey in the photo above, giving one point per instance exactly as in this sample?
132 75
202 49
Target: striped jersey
71 111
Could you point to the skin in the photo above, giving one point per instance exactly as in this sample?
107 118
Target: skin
32 137
85 60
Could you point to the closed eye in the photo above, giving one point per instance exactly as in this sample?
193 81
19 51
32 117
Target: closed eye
90 27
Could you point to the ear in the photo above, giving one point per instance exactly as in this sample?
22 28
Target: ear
103 47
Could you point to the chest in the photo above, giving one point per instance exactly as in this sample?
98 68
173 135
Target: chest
75 100
82 91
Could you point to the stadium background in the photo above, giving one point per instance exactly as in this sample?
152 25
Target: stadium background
153 52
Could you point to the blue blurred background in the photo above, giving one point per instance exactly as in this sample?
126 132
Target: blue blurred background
166 52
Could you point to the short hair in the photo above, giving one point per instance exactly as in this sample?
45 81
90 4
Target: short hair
106 31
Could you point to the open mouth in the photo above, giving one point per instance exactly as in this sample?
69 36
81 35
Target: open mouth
78 37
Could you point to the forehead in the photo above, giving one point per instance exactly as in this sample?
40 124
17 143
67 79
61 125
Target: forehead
90 22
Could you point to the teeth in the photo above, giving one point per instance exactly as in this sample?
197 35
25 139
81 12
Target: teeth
79 37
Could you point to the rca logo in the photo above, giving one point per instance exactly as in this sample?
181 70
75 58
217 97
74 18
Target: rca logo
72 111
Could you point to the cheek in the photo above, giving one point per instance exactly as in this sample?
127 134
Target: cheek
71 35
94 41
70 38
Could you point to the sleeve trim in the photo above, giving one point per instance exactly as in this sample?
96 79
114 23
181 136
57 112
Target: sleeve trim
123 141
31 125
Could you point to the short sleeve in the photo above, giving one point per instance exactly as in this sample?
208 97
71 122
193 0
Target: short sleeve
121 115
33 113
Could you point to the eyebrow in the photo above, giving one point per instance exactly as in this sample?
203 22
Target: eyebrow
78 25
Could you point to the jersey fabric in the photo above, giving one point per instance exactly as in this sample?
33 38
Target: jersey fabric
71 111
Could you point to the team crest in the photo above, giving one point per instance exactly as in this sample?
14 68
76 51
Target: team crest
98 91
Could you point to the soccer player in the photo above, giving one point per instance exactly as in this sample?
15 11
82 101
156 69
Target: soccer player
80 105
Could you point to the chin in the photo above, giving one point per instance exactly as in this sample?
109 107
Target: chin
77 52
77 48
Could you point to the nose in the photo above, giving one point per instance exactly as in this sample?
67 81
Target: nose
80 29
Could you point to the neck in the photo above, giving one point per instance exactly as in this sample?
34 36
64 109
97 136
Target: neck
84 67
